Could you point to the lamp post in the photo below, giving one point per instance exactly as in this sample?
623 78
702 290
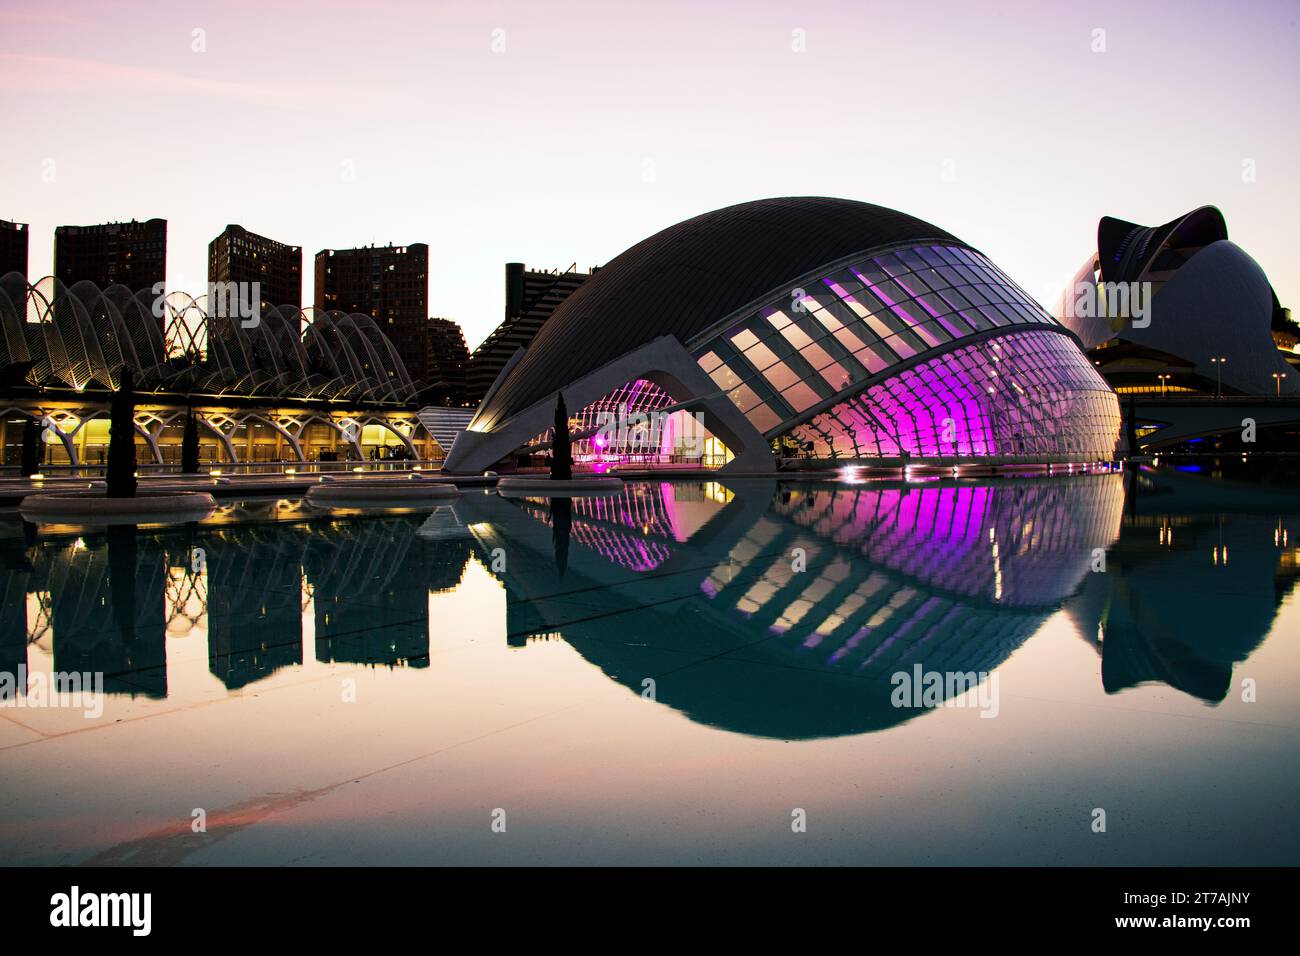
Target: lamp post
1218 361
1164 382
1277 378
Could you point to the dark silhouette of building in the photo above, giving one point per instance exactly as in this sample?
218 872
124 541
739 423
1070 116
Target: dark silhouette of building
254 603
108 613
390 627
531 296
238 255
13 247
133 254
1212 323
447 360
388 283
823 328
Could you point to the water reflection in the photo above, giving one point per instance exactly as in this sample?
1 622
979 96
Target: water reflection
105 602
765 609
1193 587
785 611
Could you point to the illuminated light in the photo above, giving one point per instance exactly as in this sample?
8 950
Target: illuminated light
37 477
79 545
291 471
215 472
359 468
416 468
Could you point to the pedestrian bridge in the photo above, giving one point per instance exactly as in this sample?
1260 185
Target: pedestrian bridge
1181 419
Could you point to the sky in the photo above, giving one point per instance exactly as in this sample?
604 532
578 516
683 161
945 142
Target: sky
568 131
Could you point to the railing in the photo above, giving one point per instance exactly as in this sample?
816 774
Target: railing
1210 399
228 469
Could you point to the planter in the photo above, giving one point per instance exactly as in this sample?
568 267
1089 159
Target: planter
94 507
523 487
363 491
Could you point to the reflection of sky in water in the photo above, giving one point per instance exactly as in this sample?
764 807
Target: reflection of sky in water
518 678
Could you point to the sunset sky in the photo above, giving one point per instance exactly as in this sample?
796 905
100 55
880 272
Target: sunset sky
336 124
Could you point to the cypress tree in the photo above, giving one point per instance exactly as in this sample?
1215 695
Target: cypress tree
190 444
31 448
121 439
561 446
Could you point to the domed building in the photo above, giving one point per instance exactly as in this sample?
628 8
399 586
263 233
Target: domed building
1180 309
803 327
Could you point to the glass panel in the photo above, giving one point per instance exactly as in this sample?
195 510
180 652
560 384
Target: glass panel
801 397
796 336
744 397
709 361
760 356
781 376
836 376
763 418
816 356
724 377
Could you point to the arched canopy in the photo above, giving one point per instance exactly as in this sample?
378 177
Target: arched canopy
77 336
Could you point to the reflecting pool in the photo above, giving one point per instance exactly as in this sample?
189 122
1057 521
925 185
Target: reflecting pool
738 671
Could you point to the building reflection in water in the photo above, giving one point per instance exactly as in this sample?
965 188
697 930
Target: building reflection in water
789 608
1193 587
692 584
106 601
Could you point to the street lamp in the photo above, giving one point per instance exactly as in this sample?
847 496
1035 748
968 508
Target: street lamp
1277 377
1164 382
1218 361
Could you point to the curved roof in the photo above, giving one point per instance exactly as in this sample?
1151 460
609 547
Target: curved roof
684 279
1126 252
1212 302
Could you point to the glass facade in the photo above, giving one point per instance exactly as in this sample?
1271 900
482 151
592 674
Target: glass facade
1026 395
891 309
626 412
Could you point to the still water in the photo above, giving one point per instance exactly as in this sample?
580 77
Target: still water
687 672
